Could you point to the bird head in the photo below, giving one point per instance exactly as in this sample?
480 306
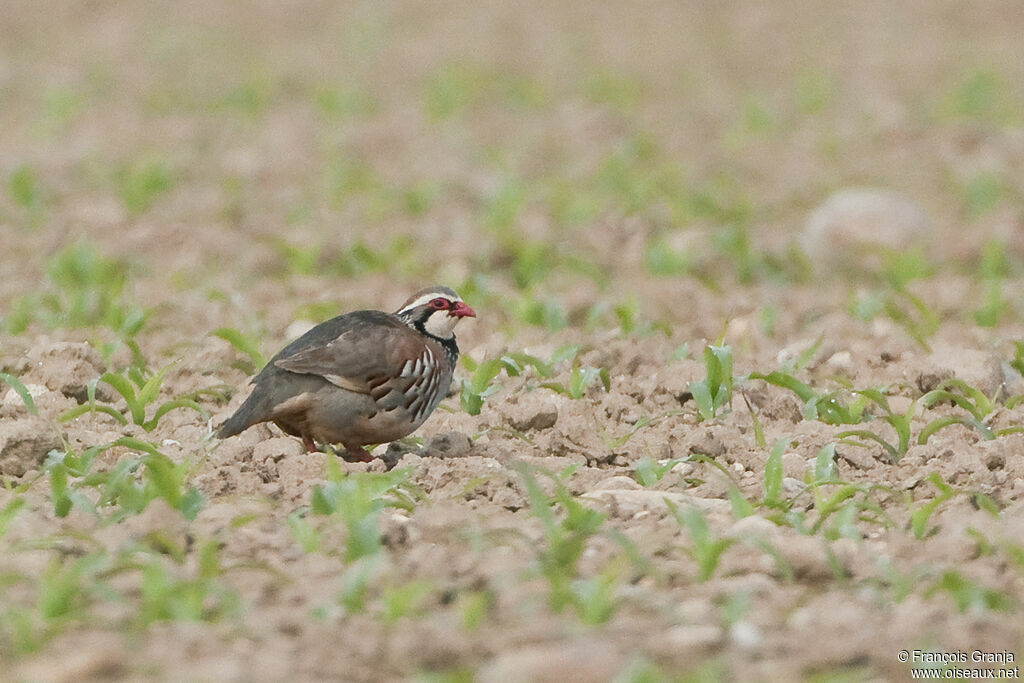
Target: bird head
436 309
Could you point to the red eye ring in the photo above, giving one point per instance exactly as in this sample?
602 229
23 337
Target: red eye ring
440 304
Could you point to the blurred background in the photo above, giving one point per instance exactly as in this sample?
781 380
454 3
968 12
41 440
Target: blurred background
540 154
830 189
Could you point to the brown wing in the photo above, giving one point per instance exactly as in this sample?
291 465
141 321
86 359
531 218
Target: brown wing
359 351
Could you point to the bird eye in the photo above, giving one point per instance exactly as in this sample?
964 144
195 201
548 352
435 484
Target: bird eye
439 303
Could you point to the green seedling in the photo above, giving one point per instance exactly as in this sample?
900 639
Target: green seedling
912 314
405 600
825 464
580 378
84 289
980 409
167 597
679 353
8 512
844 507
900 422
125 489
300 258
547 313
970 595
1015 553
663 260
773 475
244 344
824 407
649 471
474 607
982 95
922 513
994 306
23 189
907 310
355 582
59 596
714 393
346 101
756 423
1018 356
139 185
563 545
357 500
614 443
595 598
138 391
21 390
305 534
481 381
733 242
705 551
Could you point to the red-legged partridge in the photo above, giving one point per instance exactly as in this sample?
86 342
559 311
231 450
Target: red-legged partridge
365 377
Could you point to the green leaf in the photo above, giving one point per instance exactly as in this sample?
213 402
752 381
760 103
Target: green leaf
91 408
825 463
172 405
9 512
191 503
21 390
741 507
773 473
891 451
242 344
150 389
703 399
303 532
127 390
920 516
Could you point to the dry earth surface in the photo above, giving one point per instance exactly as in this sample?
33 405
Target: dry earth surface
612 187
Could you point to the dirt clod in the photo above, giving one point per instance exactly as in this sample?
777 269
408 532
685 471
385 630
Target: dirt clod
24 444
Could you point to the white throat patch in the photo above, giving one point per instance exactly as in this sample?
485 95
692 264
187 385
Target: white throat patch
441 324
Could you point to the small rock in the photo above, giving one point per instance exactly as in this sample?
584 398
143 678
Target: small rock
448 445
793 465
692 638
791 486
12 399
395 452
980 369
619 482
860 458
24 444
526 416
554 663
68 367
854 223
752 525
840 361
746 635
683 469
707 443
626 503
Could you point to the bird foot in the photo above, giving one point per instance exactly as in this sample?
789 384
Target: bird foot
350 454
356 455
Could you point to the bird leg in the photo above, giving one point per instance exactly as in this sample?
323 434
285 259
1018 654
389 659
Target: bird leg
310 445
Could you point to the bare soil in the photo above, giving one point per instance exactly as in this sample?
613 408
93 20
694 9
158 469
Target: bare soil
321 125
